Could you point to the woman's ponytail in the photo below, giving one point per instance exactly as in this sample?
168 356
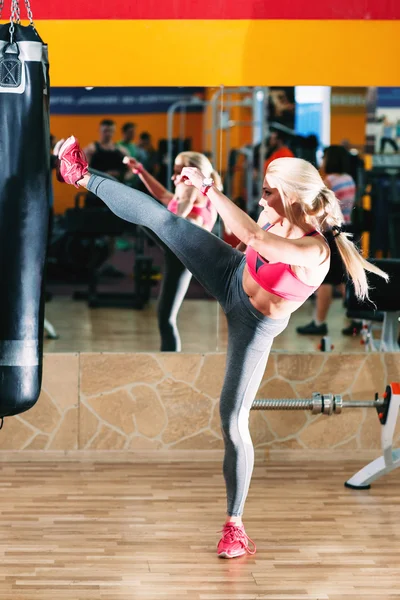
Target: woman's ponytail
355 264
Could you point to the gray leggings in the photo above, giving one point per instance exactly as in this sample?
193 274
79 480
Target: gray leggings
175 283
219 268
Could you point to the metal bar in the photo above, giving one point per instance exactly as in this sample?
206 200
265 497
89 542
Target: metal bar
282 404
303 403
228 177
170 136
249 179
283 128
182 104
230 103
215 125
264 135
215 104
244 123
318 404
362 403
182 128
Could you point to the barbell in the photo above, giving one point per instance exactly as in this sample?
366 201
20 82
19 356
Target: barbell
323 404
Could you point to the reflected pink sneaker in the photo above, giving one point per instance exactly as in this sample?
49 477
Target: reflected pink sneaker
234 542
73 164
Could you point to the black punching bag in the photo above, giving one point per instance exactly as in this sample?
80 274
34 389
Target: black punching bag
24 210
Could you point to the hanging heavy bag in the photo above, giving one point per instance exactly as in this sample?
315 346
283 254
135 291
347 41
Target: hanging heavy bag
24 208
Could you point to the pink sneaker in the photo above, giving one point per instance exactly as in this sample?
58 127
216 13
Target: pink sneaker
234 542
73 164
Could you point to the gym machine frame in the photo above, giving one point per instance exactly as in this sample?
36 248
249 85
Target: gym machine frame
387 408
216 104
382 306
374 167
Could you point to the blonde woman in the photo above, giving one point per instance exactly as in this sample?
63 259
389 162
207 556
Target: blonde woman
286 260
191 205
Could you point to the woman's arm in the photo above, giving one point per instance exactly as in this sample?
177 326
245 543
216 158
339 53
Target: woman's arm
155 187
303 252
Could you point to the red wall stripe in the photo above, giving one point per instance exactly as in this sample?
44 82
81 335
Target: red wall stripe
216 9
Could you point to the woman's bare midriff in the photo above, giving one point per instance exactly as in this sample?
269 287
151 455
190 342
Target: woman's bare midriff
268 304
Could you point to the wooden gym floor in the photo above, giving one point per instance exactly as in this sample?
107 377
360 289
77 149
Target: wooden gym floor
202 326
83 531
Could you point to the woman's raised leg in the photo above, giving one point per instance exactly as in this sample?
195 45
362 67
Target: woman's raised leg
206 256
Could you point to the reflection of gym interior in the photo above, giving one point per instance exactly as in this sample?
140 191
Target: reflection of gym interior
234 436
101 293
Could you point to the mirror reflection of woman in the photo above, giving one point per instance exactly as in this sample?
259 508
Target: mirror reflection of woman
286 260
190 204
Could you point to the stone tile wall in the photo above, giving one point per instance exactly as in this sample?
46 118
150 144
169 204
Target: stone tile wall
169 402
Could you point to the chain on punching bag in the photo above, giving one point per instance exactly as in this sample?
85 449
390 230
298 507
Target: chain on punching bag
24 208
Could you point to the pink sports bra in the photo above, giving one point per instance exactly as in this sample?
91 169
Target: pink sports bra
208 214
278 278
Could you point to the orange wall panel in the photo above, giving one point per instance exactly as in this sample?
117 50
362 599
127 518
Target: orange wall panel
349 115
350 127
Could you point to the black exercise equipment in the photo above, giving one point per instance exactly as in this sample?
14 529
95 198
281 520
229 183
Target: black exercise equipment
384 299
71 257
24 208
302 146
379 183
88 230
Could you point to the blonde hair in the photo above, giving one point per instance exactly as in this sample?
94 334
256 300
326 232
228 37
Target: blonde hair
305 197
200 161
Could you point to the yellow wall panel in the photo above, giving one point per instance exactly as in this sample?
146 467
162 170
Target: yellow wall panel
231 52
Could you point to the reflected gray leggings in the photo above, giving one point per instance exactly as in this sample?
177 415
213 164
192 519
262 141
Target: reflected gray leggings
175 283
219 268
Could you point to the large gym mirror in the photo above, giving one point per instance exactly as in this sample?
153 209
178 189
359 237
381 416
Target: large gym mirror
110 286
105 279
351 135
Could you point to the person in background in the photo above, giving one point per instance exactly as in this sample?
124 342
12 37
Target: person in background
336 177
147 154
277 148
105 155
126 144
389 133
128 131
355 162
